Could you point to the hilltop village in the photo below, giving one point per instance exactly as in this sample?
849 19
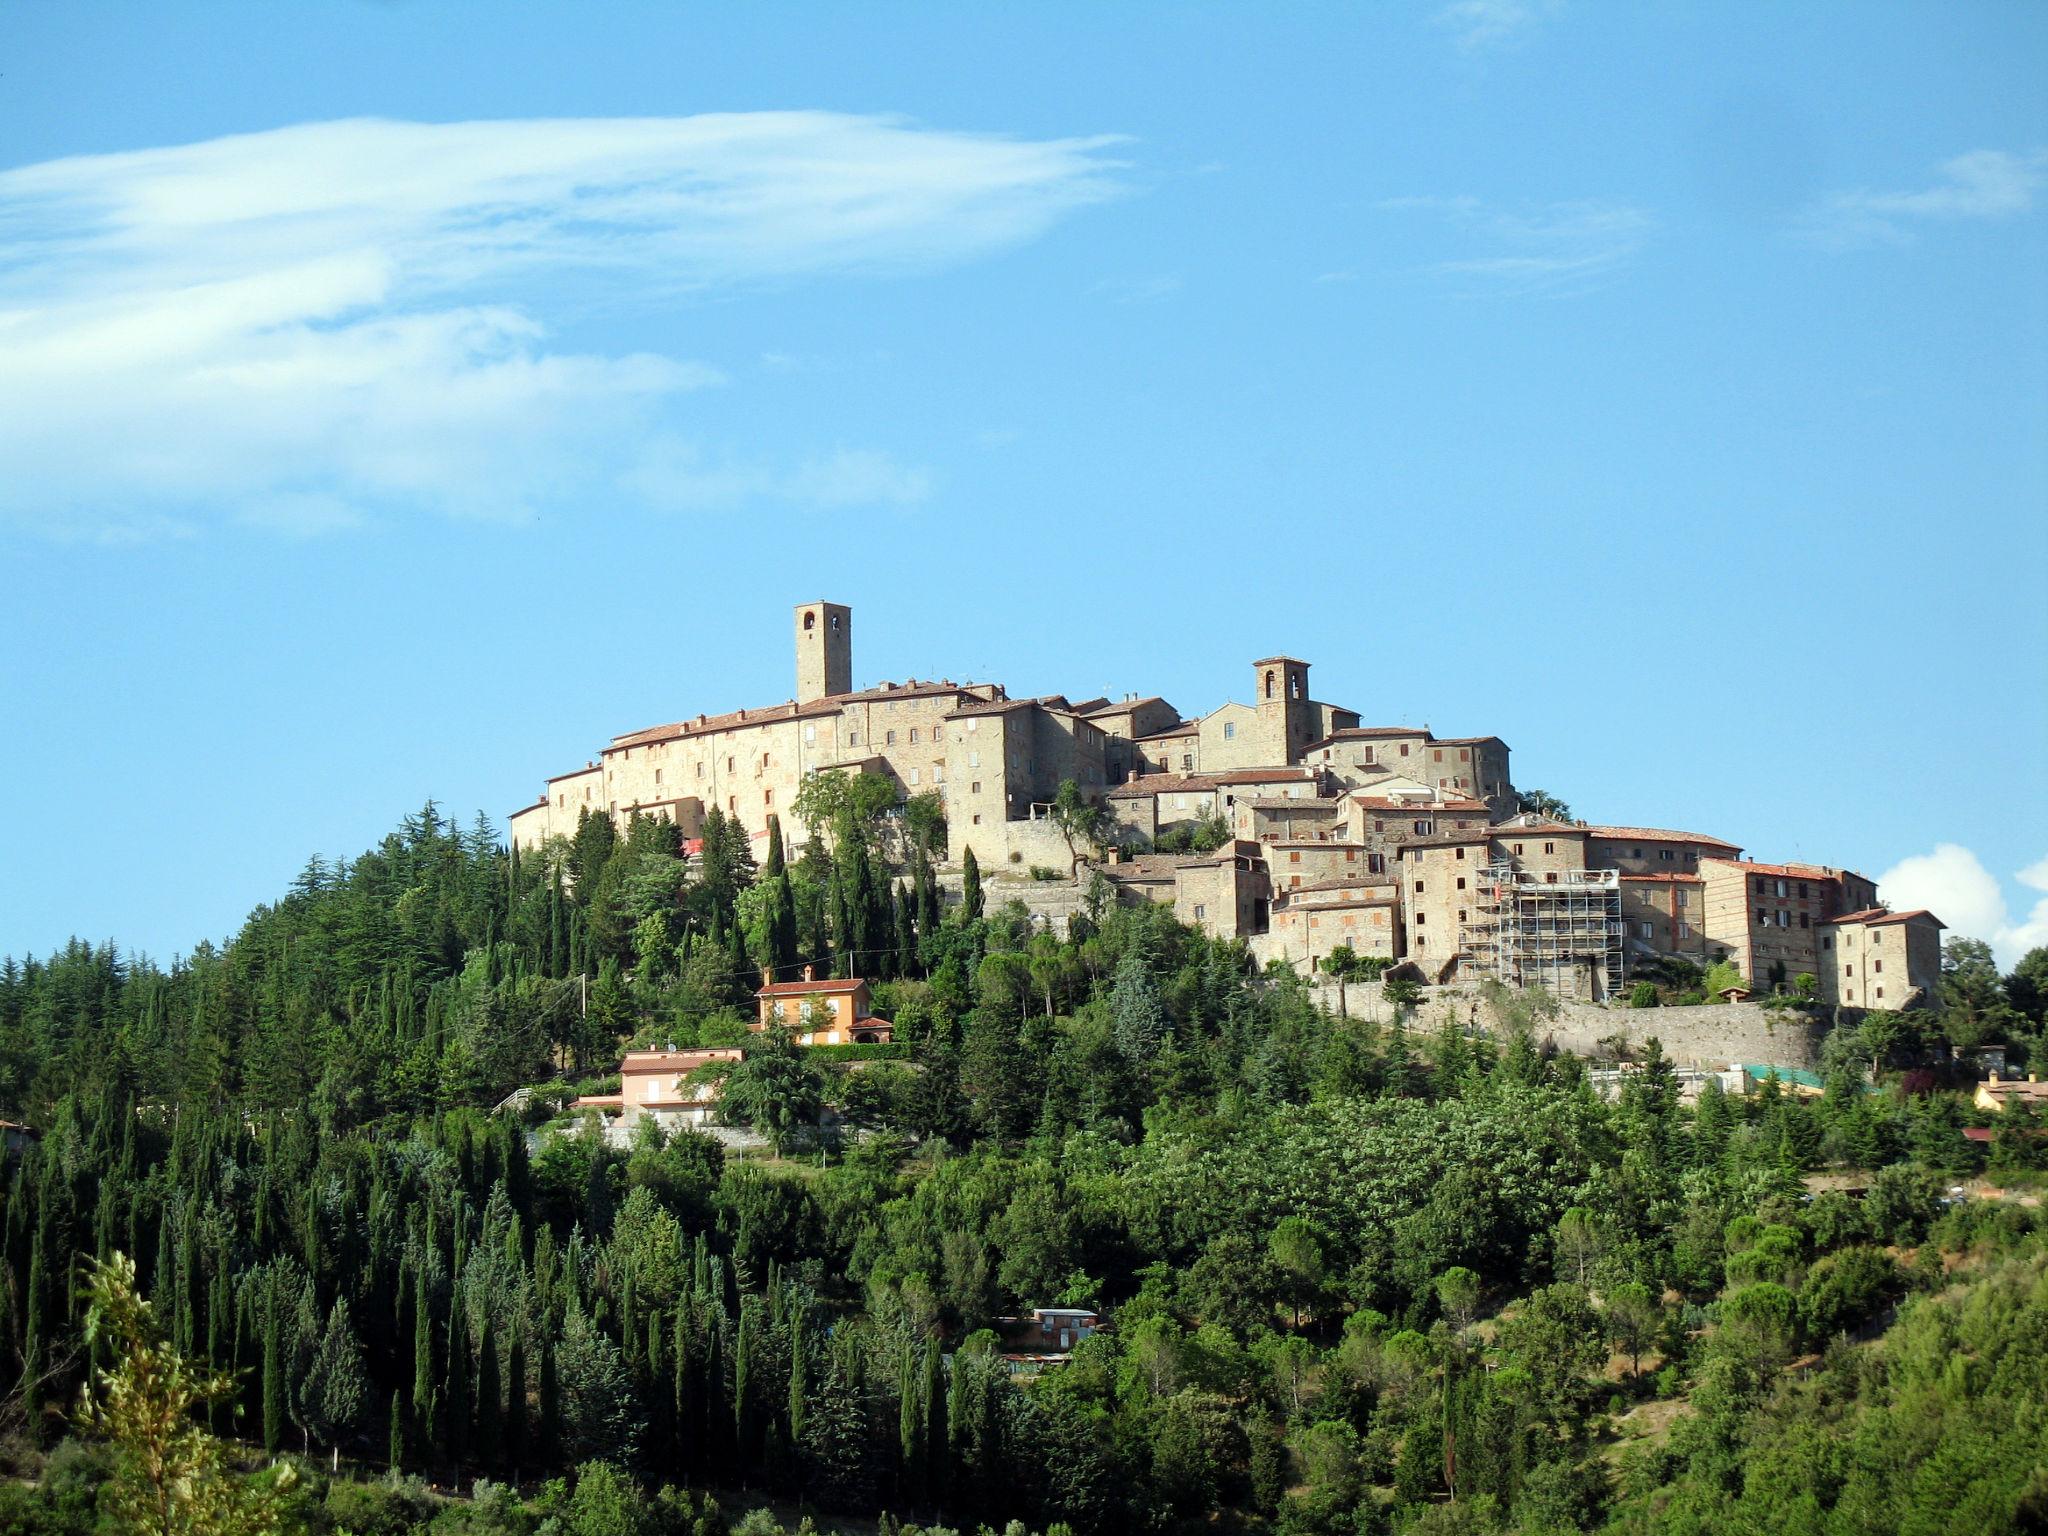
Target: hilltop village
1287 822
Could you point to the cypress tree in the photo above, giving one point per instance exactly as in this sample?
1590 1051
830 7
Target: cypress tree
422 1347
796 1385
937 1446
550 1405
781 922
926 890
396 1446
906 939
683 1389
489 1396
515 1403
970 887
457 1397
909 1431
742 1385
32 1347
273 1375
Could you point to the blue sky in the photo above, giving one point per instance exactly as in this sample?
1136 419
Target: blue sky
397 400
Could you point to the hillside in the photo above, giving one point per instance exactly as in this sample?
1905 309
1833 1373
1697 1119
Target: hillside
1352 1277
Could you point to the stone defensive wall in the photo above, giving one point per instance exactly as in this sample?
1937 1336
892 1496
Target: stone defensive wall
1706 1035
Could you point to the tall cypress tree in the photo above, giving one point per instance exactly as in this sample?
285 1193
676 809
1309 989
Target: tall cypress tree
742 1388
909 1431
422 1347
901 920
797 1387
937 1448
970 886
515 1403
457 1397
274 1385
395 1452
489 1396
32 1352
550 1438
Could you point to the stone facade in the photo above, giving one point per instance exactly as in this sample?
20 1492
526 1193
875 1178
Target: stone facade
1771 920
1311 920
1881 959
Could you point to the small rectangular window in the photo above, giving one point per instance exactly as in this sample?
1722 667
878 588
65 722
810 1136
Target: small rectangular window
1418 887
913 735
1230 730
1461 882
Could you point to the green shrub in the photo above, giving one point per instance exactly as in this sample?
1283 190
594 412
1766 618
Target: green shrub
1643 995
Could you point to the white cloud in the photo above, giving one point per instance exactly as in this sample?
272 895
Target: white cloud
300 326
1983 184
1543 248
1953 884
1476 25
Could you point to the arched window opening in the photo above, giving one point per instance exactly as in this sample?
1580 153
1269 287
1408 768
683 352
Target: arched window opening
1269 682
810 622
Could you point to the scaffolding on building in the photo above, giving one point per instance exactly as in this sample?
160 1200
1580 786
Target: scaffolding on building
1562 933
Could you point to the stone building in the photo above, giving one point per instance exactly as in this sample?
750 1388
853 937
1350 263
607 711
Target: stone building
1408 829
1771 920
1309 921
1123 724
1881 959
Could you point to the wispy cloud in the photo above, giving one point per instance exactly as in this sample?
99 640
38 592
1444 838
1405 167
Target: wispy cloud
1983 184
672 475
1545 248
1477 25
299 327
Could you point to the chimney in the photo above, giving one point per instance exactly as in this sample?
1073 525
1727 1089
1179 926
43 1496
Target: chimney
810 973
767 979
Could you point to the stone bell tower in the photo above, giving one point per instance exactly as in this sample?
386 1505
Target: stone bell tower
824 650
1285 717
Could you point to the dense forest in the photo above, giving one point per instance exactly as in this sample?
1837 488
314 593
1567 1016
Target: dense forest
302 1218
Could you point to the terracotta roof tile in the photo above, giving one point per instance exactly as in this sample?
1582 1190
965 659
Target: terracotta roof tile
1660 835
